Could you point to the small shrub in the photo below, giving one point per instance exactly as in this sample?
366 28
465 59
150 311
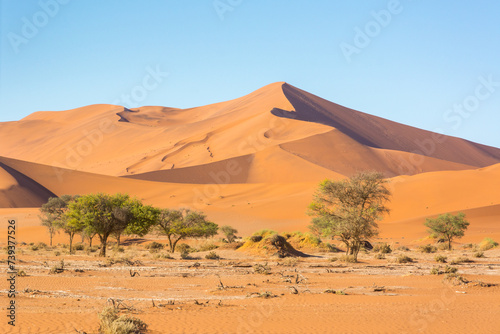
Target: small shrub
442 246
58 268
460 260
383 248
163 256
208 247
113 323
154 246
79 246
403 248
469 246
379 256
34 248
183 248
436 271
348 258
479 254
21 273
57 253
404 259
333 259
212 256
450 270
262 269
185 255
256 238
440 258
487 244
427 249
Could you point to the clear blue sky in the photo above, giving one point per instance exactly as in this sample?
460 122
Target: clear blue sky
411 68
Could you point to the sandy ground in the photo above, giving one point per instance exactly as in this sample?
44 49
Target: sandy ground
381 296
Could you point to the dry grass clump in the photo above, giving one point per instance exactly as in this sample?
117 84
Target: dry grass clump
403 248
427 249
348 258
379 256
440 258
478 254
154 247
404 259
487 244
461 259
212 256
382 248
208 247
113 323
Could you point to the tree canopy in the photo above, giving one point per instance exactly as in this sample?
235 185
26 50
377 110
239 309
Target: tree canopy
110 214
447 227
350 208
184 223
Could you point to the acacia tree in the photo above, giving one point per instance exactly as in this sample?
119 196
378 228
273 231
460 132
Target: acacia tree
447 227
52 214
105 215
349 209
184 223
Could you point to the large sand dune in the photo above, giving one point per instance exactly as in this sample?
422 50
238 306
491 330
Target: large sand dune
113 140
252 162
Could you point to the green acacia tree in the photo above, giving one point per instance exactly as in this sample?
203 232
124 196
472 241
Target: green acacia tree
349 209
107 215
447 227
184 223
53 217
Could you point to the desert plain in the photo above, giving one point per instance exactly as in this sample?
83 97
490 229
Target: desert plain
253 163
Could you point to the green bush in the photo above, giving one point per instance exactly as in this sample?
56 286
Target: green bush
183 248
487 244
79 246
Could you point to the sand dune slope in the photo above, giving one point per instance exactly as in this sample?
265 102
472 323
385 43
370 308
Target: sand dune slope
283 206
330 139
18 190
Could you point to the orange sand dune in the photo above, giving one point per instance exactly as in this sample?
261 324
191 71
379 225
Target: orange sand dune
283 206
113 140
